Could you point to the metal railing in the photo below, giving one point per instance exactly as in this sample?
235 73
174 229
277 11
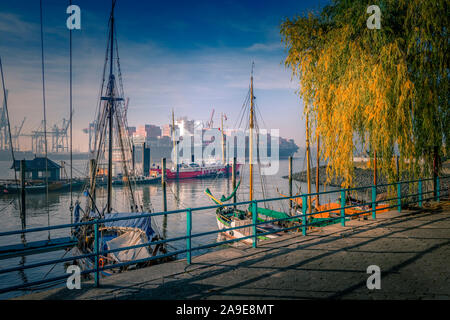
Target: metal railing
418 197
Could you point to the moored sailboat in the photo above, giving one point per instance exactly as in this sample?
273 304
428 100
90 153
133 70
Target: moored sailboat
117 234
231 217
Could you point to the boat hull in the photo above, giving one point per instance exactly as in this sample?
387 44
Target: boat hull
149 180
247 231
201 172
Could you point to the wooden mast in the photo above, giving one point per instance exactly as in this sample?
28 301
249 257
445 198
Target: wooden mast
111 111
223 140
175 147
251 137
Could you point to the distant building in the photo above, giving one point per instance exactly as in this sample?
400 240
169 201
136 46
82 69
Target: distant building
152 131
131 130
148 131
186 126
35 169
167 130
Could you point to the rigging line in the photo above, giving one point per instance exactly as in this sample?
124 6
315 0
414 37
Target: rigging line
70 123
53 267
124 164
10 203
9 131
45 117
99 110
244 104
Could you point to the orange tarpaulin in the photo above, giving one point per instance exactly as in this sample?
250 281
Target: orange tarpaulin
333 205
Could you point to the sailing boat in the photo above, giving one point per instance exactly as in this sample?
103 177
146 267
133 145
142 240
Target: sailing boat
231 217
112 122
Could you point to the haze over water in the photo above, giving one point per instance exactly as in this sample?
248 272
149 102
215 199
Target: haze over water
184 194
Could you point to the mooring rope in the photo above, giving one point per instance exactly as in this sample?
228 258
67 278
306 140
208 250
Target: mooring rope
70 122
45 117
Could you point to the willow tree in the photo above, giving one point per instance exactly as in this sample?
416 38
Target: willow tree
386 88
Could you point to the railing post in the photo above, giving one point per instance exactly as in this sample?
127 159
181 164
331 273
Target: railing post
399 197
438 189
420 193
188 235
96 241
374 202
254 220
22 192
342 207
304 207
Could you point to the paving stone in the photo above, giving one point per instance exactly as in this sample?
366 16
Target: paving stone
412 249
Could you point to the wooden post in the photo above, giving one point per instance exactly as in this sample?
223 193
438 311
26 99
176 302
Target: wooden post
290 182
435 171
163 183
308 167
234 179
145 160
96 250
22 190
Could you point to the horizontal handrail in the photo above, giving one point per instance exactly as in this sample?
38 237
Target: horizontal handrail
301 216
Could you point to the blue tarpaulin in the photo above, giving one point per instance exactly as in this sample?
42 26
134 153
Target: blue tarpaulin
144 224
76 213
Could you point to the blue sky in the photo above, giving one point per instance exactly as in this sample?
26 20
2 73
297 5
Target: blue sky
188 55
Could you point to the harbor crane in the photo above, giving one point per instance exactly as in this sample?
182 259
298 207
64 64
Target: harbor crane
210 123
58 134
15 136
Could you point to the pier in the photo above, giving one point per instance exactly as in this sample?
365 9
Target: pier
412 249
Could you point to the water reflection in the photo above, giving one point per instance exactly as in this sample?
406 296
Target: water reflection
179 195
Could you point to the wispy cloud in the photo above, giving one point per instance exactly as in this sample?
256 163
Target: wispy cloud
157 75
13 25
264 47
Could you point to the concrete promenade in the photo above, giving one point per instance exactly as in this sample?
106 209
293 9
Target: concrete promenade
412 249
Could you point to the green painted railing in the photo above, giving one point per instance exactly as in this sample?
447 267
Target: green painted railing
303 217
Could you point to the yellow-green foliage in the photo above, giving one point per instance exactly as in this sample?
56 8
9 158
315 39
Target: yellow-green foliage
385 87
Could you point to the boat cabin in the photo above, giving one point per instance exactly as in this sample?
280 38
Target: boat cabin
35 169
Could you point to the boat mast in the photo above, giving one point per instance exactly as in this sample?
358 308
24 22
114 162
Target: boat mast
251 136
223 140
175 146
111 110
173 134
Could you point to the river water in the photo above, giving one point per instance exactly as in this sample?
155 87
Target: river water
183 194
